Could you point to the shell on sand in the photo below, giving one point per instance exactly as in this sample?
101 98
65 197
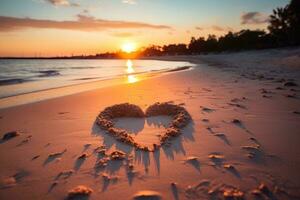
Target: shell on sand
147 194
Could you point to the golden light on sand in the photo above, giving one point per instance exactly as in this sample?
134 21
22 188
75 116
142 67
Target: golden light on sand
128 47
132 79
129 70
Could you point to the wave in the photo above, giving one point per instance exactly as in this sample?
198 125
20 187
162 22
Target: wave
83 67
179 69
48 73
42 74
12 81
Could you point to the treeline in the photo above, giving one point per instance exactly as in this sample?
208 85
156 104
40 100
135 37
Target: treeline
242 40
283 30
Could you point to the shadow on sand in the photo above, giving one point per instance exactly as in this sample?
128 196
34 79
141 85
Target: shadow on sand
175 146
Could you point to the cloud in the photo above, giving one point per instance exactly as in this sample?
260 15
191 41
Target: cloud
220 28
129 2
83 23
217 28
214 28
62 3
254 18
122 34
86 11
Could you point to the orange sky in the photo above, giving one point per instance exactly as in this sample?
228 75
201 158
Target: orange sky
66 27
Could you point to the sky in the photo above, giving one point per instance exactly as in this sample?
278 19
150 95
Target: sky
76 27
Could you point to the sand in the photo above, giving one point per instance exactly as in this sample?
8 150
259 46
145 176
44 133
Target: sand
238 144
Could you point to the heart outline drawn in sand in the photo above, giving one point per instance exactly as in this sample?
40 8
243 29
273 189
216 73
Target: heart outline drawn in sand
180 119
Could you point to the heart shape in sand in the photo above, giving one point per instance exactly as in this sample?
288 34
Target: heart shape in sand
180 119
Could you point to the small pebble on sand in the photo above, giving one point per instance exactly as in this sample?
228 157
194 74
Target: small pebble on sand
35 157
147 194
65 174
256 192
87 145
233 194
251 147
264 189
290 84
79 191
174 184
229 167
117 155
236 121
83 156
206 109
53 155
296 112
215 156
8 182
191 159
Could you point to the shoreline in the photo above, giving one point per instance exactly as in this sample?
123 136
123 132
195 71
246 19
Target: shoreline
39 95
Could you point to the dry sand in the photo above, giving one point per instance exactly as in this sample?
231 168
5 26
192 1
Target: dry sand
242 142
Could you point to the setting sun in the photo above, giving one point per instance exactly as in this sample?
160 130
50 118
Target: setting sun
128 47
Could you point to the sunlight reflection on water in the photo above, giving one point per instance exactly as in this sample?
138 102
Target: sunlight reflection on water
130 77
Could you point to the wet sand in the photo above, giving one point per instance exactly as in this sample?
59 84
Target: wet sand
242 140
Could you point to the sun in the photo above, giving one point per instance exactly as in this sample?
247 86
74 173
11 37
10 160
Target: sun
128 47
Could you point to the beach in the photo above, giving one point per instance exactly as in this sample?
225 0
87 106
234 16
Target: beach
242 141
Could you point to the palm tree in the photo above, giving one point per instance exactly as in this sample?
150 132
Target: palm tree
294 21
285 24
279 24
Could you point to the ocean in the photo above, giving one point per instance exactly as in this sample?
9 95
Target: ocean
19 76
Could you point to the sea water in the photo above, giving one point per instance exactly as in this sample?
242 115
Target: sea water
19 76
